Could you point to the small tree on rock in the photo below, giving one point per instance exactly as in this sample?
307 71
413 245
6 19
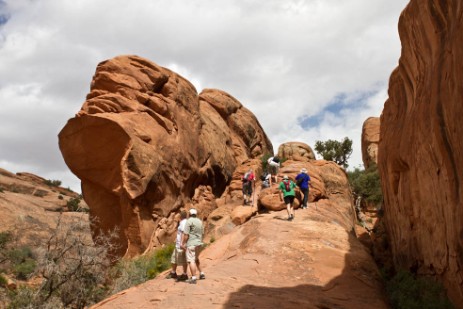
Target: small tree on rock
336 151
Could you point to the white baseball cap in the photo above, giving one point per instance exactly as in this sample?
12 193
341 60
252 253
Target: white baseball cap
193 211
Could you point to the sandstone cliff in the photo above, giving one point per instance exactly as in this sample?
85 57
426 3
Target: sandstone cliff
145 144
420 153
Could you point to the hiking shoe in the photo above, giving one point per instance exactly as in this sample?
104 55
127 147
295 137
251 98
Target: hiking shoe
202 276
192 281
182 277
172 276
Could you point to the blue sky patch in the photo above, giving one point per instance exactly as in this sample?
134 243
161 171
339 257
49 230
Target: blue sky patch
4 17
352 101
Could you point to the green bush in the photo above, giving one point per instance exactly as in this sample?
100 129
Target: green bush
3 281
367 184
24 269
23 261
160 261
141 269
5 238
73 204
1 190
405 291
53 183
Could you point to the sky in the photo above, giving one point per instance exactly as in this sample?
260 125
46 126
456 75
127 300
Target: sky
308 69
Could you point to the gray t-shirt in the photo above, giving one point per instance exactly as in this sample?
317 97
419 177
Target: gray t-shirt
194 229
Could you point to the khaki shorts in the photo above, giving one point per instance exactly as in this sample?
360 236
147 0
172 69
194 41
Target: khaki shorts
178 257
192 253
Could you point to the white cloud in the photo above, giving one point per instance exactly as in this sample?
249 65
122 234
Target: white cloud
284 60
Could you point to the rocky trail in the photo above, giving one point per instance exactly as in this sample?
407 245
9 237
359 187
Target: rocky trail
269 262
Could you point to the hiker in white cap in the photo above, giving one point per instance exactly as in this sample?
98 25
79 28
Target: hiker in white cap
302 180
192 242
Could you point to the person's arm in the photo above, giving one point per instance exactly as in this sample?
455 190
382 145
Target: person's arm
185 235
184 240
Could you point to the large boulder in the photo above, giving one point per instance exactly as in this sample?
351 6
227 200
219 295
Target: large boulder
296 151
420 151
144 141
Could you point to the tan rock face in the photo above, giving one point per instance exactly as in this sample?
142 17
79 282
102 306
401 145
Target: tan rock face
420 153
296 151
144 141
370 140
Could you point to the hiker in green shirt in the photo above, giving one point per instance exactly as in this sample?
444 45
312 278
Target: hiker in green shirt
287 193
192 242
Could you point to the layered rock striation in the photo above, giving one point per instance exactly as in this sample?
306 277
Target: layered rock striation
420 151
145 144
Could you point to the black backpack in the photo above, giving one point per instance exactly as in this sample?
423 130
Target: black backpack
263 176
276 159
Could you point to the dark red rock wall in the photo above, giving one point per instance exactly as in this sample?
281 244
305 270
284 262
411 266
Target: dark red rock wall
421 147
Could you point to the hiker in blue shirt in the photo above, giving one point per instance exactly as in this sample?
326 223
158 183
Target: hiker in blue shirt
302 180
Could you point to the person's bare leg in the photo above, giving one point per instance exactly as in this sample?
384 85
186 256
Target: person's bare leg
185 268
192 269
288 209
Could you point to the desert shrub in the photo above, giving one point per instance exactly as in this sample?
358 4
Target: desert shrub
1 190
22 260
406 291
141 269
73 204
40 193
60 197
5 238
160 261
24 269
74 269
3 281
52 183
367 184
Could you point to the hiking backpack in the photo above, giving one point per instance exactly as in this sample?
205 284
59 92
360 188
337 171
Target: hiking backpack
287 185
246 177
263 176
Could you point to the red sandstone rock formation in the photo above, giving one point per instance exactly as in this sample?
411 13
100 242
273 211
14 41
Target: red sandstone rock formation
370 140
420 152
146 144
315 261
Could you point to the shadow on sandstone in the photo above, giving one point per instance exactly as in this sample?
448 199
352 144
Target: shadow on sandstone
358 286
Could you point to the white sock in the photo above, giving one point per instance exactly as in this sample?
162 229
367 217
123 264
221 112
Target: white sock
193 277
